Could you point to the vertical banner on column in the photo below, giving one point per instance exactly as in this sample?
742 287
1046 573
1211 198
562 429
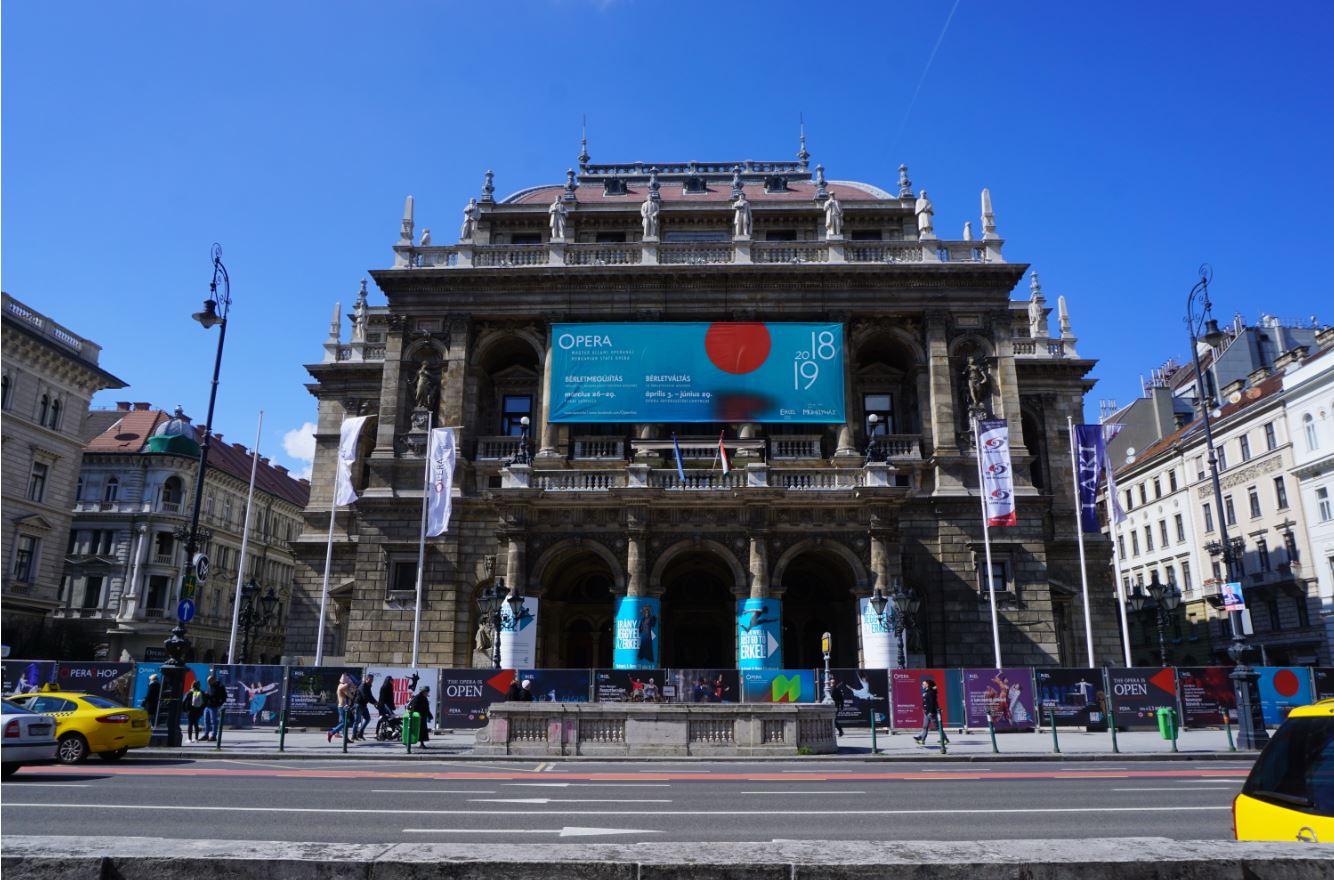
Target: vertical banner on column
635 638
759 634
518 635
880 649
998 482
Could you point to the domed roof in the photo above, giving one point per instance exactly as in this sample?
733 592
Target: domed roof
177 435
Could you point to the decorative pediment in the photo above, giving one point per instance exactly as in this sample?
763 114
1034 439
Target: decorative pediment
33 522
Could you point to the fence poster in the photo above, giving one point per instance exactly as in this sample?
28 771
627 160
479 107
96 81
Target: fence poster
864 691
778 686
1206 693
906 689
1139 692
254 694
706 685
1076 696
466 696
1006 695
406 680
312 694
632 686
1282 689
559 685
1323 677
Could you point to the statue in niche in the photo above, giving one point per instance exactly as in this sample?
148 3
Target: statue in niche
426 389
483 646
979 384
833 218
558 212
470 212
649 212
741 217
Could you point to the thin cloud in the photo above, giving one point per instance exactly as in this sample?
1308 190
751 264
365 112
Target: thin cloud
299 444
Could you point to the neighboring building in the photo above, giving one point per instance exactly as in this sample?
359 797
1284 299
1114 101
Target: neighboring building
466 339
126 549
1310 405
1265 523
50 376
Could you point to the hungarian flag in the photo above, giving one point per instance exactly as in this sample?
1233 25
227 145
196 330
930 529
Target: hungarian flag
722 455
680 465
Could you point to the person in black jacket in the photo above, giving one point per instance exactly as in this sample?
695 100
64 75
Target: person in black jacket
930 711
365 699
421 704
515 692
215 697
386 701
151 697
836 694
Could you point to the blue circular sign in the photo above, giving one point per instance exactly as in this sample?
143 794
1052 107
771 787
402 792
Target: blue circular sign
185 611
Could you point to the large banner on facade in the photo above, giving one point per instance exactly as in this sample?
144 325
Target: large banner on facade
1282 689
697 372
706 685
254 694
759 633
1138 693
635 633
778 686
518 635
1075 695
1206 693
880 648
466 696
1006 695
864 691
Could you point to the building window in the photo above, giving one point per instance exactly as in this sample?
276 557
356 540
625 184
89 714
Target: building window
1253 495
1148 538
1170 573
1208 517
1199 467
1275 620
92 592
1218 570
44 407
1130 503
1280 493
1229 511
6 392
1262 553
526 238
1181 528
1121 546
112 490
1308 427
1245 444
1323 505
403 577
882 407
1162 531
1134 543
158 585
1303 613
1222 457
515 408
1185 576
1157 488
1143 493
1000 579
37 481
1271 436
1172 480
1290 545
25 558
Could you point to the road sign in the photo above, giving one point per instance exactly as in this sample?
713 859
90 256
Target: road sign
201 567
188 587
185 611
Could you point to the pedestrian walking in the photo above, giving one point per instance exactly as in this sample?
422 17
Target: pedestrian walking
347 692
836 693
421 704
195 698
364 700
151 697
386 702
930 710
215 698
514 693
526 693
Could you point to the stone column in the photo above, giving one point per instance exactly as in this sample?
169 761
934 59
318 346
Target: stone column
546 432
1007 377
941 427
759 565
514 561
386 424
636 579
453 376
847 432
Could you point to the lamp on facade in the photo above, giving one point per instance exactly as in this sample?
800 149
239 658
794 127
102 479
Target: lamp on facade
873 450
256 611
522 455
1203 328
1166 598
907 602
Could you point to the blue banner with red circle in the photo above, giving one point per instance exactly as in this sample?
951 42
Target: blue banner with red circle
697 372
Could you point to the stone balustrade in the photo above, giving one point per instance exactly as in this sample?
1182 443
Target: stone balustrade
665 729
750 476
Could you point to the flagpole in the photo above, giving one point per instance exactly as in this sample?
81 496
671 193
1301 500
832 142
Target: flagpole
421 546
986 538
1112 510
328 555
245 539
1079 531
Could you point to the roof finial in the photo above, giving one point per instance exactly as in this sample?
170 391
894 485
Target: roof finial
653 184
821 190
405 233
1037 309
1066 332
583 144
488 187
967 230
335 326
905 185
570 185
988 217
803 156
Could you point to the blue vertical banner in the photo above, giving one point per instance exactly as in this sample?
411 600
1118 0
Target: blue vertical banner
635 637
1091 455
759 634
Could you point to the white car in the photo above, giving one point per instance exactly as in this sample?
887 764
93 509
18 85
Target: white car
28 738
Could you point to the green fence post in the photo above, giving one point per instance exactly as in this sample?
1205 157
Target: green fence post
217 730
940 725
991 729
1227 725
1055 741
282 729
1111 725
871 712
1172 719
344 713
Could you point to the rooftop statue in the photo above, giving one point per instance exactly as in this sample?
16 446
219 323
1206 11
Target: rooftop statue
558 212
833 217
741 219
925 227
470 212
649 212
426 237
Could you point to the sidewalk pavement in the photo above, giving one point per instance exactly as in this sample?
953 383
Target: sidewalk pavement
974 745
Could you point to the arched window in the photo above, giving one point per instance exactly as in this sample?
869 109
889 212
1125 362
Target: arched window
45 405
1312 439
112 490
172 493
55 415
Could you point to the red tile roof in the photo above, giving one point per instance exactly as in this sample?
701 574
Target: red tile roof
129 433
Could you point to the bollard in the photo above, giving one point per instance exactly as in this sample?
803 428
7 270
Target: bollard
940 725
1227 725
1175 730
1055 742
871 714
282 729
217 730
344 713
1111 725
991 729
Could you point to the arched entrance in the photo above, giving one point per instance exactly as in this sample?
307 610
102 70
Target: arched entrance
818 598
574 618
698 613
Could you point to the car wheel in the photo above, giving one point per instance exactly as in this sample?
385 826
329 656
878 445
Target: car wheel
8 770
114 755
72 749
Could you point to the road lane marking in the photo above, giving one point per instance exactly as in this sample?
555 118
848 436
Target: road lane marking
428 791
806 813
807 791
567 831
46 784
1229 788
587 785
536 800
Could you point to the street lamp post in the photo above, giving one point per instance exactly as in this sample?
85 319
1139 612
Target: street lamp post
896 616
492 603
523 455
256 611
1166 598
1251 732
873 451
177 644
826 643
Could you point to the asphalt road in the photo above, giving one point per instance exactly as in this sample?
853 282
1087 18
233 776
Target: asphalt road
396 801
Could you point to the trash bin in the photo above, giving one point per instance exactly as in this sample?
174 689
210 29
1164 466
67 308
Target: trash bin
1167 723
412 728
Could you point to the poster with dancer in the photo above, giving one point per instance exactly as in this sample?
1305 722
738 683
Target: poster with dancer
635 633
706 685
1006 695
254 694
26 676
864 691
1076 695
632 686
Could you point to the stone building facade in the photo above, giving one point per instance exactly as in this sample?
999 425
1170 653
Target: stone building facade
806 515
50 375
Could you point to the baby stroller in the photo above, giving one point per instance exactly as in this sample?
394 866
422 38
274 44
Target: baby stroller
389 728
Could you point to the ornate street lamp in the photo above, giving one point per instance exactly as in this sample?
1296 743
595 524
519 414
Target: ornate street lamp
896 617
491 603
523 455
1166 598
256 611
1203 328
874 452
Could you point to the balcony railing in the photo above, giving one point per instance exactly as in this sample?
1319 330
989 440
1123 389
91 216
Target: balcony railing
170 507
511 255
603 254
497 448
695 253
579 481
164 558
795 446
638 477
598 448
790 252
668 478
818 479
694 449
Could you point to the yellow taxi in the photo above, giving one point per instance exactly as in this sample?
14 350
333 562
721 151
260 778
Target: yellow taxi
1290 792
89 724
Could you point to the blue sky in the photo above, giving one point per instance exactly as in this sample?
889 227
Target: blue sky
1123 146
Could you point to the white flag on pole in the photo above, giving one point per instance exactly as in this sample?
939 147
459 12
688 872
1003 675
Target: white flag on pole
440 455
1115 512
347 456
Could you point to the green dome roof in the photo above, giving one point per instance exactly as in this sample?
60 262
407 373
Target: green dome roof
176 435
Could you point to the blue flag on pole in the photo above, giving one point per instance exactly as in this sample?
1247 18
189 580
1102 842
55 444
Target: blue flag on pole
680 465
1091 456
